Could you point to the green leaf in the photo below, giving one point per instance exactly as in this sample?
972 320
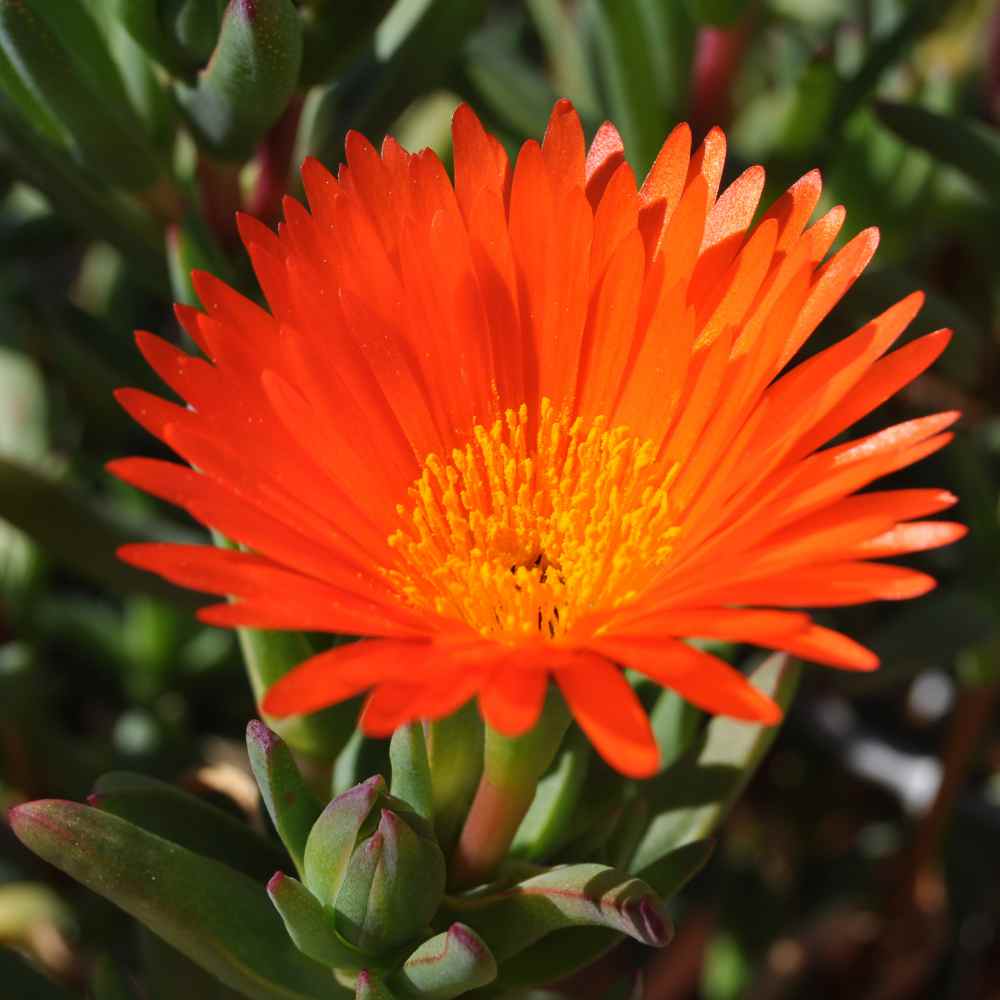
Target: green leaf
62 59
167 974
249 79
448 965
411 773
919 17
334 835
369 987
691 798
673 871
568 951
190 247
717 13
77 533
638 44
291 805
23 982
310 926
455 752
568 63
194 25
333 33
79 199
23 437
141 19
217 917
585 895
183 819
968 146
675 724
395 71
548 823
34 112
393 885
516 91
361 757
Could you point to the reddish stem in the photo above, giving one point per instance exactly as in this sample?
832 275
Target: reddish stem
274 158
221 199
493 820
718 57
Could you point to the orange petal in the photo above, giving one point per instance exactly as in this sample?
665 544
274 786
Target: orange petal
703 679
823 645
341 673
512 699
608 711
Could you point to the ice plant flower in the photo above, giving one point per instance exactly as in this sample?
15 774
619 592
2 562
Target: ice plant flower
539 425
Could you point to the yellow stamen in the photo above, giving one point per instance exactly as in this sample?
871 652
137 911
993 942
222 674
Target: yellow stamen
521 539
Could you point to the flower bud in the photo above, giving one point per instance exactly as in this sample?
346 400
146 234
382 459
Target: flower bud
375 865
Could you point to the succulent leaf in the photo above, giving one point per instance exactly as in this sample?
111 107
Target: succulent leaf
217 917
184 819
291 805
310 926
249 79
411 774
570 896
690 799
447 965
333 837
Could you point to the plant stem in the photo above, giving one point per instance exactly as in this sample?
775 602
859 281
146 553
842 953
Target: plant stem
274 158
512 767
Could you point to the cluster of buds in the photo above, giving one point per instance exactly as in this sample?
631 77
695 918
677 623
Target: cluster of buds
371 894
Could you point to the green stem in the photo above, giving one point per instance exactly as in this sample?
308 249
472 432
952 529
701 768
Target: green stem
512 768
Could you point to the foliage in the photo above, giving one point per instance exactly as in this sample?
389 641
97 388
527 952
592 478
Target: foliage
130 133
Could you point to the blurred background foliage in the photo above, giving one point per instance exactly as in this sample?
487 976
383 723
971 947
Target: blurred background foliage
862 860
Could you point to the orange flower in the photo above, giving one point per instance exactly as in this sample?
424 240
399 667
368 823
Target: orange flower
531 427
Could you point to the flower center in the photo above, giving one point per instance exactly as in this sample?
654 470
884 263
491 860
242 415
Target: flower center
520 535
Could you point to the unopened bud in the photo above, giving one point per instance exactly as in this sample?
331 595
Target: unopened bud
374 863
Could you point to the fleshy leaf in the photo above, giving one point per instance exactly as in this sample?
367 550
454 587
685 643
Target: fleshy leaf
718 13
565 952
368 987
184 819
217 917
80 200
333 33
291 805
691 798
548 824
385 80
571 896
455 753
675 723
971 147
628 47
448 965
86 96
411 773
310 926
333 837
393 885
77 532
249 79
